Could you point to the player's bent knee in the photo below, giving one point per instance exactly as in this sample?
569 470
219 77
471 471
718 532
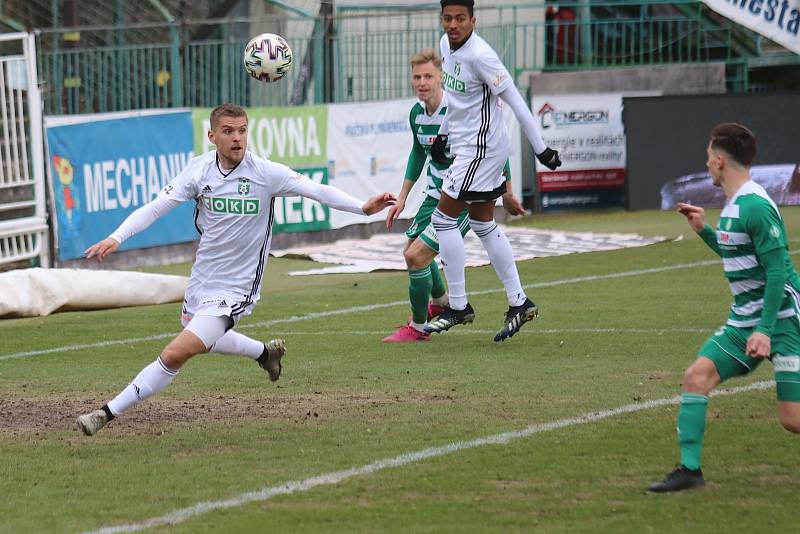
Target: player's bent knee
174 357
792 426
701 377
416 259
181 349
410 258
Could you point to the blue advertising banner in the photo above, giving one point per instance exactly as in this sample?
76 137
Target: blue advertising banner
104 169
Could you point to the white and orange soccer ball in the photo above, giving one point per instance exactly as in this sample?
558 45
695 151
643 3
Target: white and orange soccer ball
267 57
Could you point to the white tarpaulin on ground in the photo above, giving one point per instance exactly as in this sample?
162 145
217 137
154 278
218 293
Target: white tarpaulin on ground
778 20
33 292
385 251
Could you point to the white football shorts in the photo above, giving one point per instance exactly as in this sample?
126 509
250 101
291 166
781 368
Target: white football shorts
476 179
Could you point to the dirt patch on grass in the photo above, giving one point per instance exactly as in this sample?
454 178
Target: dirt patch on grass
36 415
52 414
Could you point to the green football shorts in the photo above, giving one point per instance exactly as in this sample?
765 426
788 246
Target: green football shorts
726 348
422 228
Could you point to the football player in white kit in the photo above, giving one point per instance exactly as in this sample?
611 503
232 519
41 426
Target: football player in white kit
475 81
234 190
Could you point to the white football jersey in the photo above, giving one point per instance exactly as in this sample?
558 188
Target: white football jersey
234 215
473 76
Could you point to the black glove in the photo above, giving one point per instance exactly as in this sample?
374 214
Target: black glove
548 158
439 151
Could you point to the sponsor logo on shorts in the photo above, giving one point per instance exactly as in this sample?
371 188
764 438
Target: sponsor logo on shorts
786 364
233 206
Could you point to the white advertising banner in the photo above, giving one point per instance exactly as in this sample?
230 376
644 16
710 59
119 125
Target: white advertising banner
777 20
587 131
368 148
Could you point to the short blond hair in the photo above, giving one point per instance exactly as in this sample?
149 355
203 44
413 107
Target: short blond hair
428 55
226 110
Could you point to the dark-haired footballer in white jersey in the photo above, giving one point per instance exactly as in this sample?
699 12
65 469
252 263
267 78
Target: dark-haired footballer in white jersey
475 81
235 191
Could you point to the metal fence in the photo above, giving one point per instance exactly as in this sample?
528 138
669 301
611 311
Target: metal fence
364 57
23 221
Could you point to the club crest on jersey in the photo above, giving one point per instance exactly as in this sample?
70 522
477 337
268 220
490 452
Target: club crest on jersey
457 68
244 186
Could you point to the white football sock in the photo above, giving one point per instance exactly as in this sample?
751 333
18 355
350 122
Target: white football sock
238 345
418 327
147 383
502 257
451 250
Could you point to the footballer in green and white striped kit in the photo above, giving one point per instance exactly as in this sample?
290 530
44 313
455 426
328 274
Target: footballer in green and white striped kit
764 319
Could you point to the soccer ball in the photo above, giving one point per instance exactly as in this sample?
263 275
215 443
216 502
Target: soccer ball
267 57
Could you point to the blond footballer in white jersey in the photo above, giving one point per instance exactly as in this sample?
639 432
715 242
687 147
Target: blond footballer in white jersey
475 81
234 191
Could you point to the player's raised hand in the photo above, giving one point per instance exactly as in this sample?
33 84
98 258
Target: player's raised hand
101 249
378 202
694 214
395 211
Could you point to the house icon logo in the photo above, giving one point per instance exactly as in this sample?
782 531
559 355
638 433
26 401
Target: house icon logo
545 115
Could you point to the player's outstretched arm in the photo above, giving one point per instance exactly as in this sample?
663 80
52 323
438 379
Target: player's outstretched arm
546 155
133 224
298 184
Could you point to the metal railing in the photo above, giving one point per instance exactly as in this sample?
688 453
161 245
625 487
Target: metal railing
365 58
23 217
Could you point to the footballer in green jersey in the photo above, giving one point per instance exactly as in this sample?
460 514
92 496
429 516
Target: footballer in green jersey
764 319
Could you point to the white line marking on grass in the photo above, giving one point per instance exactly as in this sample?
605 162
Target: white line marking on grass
182 514
358 309
99 344
530 331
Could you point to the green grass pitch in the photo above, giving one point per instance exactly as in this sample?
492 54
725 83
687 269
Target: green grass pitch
616 329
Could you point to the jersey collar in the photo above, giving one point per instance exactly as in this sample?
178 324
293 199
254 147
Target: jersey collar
465 44
226 174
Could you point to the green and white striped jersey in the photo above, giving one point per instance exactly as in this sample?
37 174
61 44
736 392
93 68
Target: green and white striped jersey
425 129
749 226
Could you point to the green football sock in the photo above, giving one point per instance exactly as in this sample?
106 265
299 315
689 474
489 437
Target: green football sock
691 426
438 288
419 290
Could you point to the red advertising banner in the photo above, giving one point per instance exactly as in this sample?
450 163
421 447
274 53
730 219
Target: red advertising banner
580 179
